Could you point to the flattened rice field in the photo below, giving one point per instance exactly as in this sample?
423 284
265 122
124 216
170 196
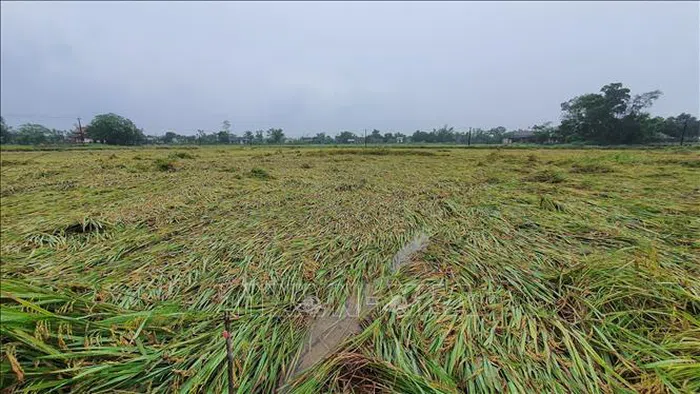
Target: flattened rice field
550 270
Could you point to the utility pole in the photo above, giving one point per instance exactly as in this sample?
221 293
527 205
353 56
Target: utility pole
365 138
80 132
469 138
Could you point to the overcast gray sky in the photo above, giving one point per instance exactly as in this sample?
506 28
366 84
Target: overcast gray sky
314 66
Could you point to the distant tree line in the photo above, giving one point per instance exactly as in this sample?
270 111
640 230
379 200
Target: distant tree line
610 117
224 136
30 134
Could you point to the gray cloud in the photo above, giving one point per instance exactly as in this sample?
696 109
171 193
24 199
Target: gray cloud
310 67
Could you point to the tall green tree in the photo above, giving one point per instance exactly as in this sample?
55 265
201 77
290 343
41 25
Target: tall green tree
57 136
248 137
226 126
223 137
114 130
612 116
275 136
201 136
544 132
345 137
376 137
322 138
32 134
169 137
5 132
674 126
444 134
259 137
422 136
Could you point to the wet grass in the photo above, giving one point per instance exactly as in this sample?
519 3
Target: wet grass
567 271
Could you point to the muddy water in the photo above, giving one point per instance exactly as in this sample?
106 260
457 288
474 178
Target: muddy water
329 331
403 256
326 333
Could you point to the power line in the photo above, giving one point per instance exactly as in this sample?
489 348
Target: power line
37 116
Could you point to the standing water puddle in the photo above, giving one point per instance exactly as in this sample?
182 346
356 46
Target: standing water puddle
327 332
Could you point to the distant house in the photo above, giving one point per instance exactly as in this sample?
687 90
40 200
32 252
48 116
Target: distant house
79 136
519 137
399 140
661 137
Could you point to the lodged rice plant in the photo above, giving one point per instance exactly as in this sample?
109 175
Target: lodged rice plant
541 270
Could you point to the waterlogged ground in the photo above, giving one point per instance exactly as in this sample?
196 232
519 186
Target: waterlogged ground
571 271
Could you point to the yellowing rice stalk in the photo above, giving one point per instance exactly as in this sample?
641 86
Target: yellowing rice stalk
549 270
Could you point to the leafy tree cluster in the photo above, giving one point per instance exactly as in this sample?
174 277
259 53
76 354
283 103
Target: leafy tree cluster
682 127
322 138
448 135
223 136
442 135
494 135
614 116
106 128
31 134
172 137
113 129
348 137
376 137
